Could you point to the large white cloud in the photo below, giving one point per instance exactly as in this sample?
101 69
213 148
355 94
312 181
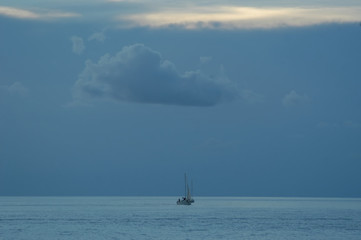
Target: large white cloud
139 74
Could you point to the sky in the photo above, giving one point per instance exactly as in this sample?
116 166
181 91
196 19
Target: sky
122 97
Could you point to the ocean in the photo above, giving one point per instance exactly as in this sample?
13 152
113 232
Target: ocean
95 218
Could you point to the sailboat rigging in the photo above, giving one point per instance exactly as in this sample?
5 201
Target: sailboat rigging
187 199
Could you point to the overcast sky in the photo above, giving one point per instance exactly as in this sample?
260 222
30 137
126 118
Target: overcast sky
121 97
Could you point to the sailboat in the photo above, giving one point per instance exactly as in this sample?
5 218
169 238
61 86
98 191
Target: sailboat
187 199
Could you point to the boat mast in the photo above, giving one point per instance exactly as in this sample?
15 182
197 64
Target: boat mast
185 185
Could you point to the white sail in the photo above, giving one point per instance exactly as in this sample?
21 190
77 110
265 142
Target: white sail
188 193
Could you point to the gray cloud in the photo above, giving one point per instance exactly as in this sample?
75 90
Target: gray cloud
14 89
345 124
139 74
205 59
98 36
78 44
294 99
351 124
251 97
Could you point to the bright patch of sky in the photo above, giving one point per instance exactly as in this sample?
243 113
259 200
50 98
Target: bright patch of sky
191 14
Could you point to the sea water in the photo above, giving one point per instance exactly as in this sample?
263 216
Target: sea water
37 218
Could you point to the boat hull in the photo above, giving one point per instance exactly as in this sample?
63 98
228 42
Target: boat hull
184 202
